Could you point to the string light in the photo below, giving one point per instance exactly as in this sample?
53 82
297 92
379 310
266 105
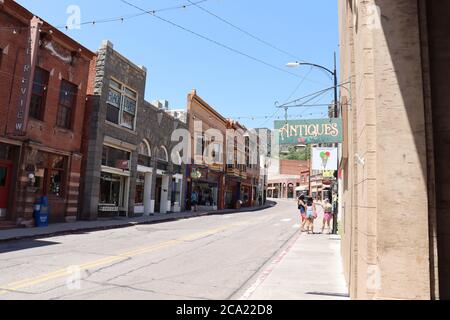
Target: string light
108 20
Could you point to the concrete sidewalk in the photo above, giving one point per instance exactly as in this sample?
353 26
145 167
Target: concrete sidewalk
310 268
105 224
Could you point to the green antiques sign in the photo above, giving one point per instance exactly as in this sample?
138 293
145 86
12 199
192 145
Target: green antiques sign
309 131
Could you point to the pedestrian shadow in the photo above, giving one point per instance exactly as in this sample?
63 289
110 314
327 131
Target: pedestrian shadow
24 245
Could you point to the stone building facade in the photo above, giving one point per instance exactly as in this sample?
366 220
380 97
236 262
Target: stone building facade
43 81
129 169
395 182
161 173
115 97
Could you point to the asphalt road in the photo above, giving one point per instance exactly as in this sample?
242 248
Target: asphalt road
213 257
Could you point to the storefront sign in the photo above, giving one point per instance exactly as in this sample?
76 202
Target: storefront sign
196 174
309 131
123 164
325 159
26 84
328 174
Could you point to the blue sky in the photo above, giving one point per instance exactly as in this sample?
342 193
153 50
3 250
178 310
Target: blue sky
234 85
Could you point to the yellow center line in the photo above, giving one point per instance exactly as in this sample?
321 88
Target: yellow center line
30 282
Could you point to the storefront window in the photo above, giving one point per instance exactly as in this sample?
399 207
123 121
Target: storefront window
116 158
110 191
140 186
207 193
176 191
50 174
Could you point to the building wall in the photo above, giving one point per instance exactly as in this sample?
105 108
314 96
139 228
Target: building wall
292 167
156 127
385 241
109 64
64 59
200 110
437 28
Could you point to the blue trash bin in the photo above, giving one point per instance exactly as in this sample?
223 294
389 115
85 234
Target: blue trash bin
41 213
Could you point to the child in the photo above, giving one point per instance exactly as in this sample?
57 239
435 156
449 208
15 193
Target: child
328 216
302 208
311 215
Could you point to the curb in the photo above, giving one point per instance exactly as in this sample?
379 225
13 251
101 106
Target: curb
132 224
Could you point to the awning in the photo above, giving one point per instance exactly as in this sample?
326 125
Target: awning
301 189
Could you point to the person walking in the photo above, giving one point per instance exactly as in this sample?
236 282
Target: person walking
302 208
194 200
327 216
311 215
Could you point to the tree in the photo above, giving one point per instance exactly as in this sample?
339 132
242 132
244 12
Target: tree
297 153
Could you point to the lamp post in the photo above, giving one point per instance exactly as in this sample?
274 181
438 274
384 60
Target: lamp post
333 73
336 111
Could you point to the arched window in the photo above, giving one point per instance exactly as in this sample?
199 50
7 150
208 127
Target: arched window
161 154
162 158
144 149
145 154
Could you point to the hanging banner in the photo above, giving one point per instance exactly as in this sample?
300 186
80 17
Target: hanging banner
325 159
309 131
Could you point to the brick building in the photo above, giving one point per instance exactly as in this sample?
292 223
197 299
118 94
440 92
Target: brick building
206 127
220 183
288 179
396 183
43 79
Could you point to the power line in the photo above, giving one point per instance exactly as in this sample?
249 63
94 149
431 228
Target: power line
299 85
111 19
267 64
245 32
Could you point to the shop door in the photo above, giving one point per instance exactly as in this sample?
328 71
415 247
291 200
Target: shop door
158 190
5 181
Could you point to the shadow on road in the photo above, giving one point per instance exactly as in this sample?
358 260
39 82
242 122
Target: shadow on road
24 245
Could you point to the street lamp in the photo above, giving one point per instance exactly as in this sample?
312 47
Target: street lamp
336 106
333 73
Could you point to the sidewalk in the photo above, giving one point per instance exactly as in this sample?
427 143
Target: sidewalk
309 269
105 224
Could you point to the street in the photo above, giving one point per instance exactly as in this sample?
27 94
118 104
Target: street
214 257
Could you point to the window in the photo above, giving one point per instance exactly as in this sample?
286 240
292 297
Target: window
110 190
121 105
67 101
140 186
144 158
39 93
116 158
200 145
50 174
217 153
